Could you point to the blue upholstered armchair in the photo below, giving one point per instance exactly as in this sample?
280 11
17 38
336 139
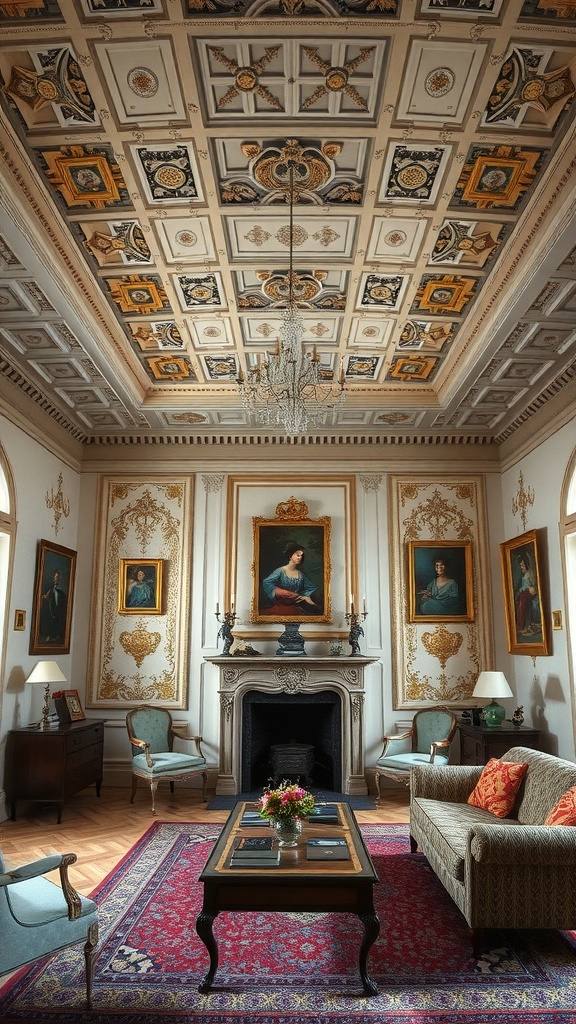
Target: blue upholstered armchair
427 742
38 917
152 735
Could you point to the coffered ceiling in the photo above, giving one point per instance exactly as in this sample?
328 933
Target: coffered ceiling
145 237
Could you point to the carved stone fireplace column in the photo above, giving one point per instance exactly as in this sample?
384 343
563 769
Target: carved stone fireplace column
240 675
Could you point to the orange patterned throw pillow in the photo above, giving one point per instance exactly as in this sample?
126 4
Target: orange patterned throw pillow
497 786
565 811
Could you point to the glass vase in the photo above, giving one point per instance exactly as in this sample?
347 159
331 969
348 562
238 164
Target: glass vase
288 831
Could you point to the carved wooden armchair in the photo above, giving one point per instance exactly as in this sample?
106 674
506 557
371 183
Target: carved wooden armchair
152 735
427 742
38 917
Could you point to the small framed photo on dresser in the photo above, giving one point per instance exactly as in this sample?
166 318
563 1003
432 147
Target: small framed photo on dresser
68 706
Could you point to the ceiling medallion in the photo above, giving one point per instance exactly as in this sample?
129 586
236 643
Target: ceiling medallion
142 82
292 169
439 82
336 79
246 78
186 238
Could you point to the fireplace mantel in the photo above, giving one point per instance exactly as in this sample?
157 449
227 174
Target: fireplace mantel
290 675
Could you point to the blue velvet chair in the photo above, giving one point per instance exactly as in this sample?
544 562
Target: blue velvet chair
427 742
38 917
152 735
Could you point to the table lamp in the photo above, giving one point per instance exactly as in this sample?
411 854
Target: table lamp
492 684
46 672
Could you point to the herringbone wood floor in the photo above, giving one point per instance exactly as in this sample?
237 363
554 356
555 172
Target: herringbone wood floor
100 831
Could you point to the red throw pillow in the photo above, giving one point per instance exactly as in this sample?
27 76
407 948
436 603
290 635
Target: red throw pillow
497 786
564 813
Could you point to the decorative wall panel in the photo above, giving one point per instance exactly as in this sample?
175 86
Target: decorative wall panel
141 658
438 662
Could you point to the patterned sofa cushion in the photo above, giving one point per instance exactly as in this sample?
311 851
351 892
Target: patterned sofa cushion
446 827
546 780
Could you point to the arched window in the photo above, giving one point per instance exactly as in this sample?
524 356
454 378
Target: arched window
7 531
568 530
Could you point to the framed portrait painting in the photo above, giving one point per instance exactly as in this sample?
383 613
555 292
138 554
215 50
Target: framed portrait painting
140 586
440 581
53 599
291 570
521 579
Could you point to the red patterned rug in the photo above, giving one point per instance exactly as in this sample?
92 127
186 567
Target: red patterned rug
293 968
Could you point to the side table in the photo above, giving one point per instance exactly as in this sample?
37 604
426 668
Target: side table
478 743
51 764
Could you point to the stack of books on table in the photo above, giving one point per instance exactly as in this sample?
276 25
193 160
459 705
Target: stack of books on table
255 852
251 818
326 848
325 814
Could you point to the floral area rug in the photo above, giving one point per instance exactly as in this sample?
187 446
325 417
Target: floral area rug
293 968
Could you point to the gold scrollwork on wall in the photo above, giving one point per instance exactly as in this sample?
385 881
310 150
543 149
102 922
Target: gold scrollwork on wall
139 643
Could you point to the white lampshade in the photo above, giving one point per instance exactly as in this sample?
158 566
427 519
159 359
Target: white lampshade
46 672
492 684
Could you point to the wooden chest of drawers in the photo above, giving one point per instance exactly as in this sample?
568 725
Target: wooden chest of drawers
49 765
478 743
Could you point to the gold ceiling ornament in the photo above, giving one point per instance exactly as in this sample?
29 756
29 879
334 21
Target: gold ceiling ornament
58 503
288 387
336 78
523 500
441 644
246 78
292 170
139 643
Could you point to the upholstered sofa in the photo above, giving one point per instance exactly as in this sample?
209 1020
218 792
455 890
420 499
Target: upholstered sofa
513 872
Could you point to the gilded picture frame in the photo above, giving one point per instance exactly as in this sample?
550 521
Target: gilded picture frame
440 581
140 586
274 541
53 597
523 599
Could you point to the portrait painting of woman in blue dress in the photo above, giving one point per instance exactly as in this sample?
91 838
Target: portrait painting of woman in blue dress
141 586
441 584
292 565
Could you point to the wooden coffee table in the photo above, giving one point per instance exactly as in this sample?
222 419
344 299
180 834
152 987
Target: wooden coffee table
297 885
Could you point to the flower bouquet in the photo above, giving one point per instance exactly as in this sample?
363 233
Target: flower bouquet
285 807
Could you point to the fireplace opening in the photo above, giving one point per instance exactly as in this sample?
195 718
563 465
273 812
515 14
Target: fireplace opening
305 718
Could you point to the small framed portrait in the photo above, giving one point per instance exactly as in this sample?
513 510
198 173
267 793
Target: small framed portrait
521 579
140 586
440 581
291 570
20 619
68 706
52 599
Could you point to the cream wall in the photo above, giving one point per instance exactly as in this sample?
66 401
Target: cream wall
545 691
35 472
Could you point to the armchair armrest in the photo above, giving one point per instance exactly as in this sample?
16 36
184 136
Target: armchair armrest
399 743
43 867
452 782
145 746
195 739
436 746
32 870
524 844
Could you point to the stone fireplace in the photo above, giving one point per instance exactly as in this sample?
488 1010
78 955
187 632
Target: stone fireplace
265 701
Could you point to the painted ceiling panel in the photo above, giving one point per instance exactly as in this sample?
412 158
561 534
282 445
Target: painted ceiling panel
145 250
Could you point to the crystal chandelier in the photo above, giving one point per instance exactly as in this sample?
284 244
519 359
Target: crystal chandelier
286 388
